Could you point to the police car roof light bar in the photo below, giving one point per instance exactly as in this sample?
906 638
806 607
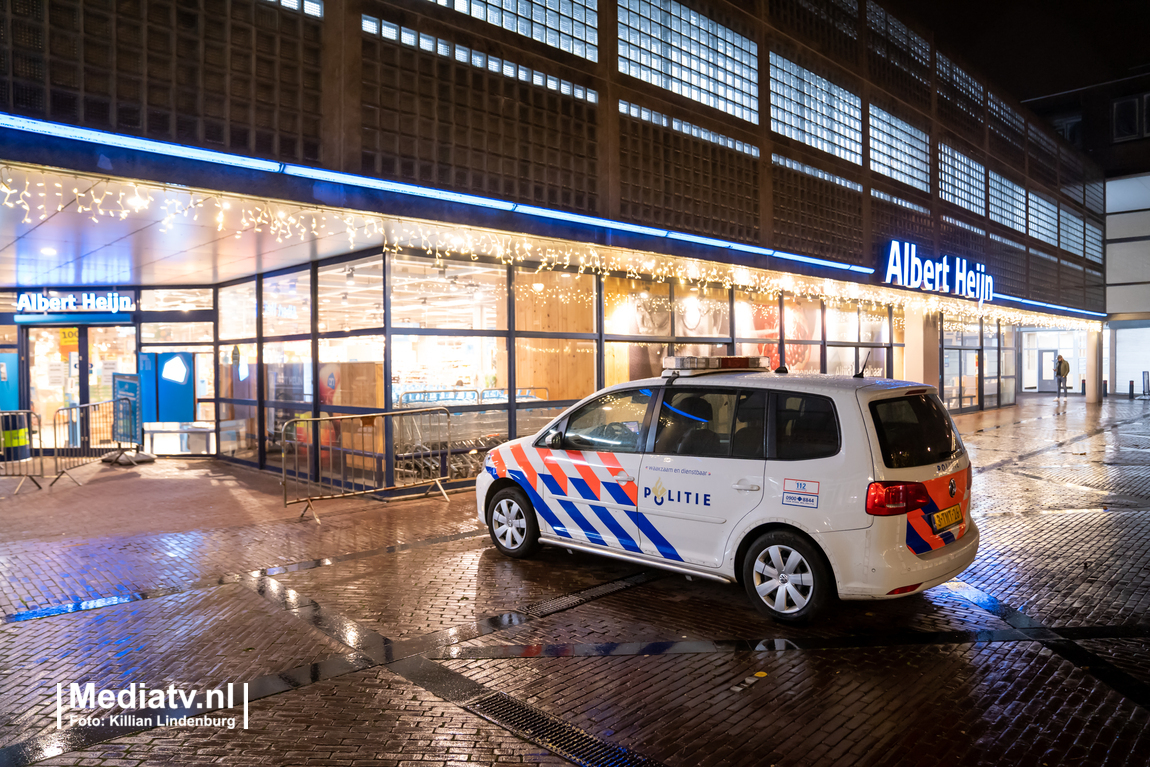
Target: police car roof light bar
715 363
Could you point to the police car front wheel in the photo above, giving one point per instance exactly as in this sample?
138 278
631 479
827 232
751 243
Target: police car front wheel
786 577
511 520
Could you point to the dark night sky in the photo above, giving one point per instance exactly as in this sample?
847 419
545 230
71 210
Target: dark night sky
1038 47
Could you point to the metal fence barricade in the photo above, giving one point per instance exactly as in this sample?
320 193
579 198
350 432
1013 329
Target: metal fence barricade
22 452
346 455
86 433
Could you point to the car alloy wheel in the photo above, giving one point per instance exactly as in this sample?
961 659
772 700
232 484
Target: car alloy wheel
783 579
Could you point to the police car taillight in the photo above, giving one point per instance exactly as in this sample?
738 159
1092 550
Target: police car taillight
716 363
889 499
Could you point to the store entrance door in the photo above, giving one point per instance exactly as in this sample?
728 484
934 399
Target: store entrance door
1046 360
74 366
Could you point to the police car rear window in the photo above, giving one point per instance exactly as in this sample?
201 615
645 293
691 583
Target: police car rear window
914 431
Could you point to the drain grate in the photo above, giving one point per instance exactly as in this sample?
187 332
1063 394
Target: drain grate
554 734
566 602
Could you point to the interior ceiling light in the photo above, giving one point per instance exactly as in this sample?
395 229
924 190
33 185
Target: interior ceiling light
47 251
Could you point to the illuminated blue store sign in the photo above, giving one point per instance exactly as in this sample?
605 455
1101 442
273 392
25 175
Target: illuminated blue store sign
75 302
969 280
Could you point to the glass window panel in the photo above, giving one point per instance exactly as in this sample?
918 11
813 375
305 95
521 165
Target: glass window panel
1007 202
552 368
175 299
841 361
351 295
691 55
571 25
962 180
989 333
951 376
110 350
237 314
627 361
554 301
287 304
802 318
1006 394
1009 361
698 350
702 312
842 321
899 150
815 111
803 357
8 334
898 326
756 315
612 423
473 433
970 335
463 294
874 324
447 370
636 307
237 372
288 366
351 371
275 419
806 427
239 437
175 333
532 420
899 359
695 422
1008 335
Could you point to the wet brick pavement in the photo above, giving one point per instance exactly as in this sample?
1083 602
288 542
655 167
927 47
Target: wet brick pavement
394 634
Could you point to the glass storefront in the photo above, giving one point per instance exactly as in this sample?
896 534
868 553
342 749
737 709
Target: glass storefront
504 343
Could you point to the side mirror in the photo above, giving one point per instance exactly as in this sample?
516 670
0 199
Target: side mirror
555 439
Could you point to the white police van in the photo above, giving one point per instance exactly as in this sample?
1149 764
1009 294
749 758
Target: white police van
799 486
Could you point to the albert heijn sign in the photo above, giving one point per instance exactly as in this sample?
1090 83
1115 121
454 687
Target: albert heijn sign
950 274
112 302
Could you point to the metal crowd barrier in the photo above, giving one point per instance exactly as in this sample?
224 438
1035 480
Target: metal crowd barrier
435 397
346 455
21 457
86 433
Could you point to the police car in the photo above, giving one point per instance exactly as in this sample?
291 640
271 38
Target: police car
801 487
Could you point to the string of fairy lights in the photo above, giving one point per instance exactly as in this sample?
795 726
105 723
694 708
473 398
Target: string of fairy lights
41 194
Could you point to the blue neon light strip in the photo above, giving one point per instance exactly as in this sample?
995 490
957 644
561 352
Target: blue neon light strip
1000 296
90 136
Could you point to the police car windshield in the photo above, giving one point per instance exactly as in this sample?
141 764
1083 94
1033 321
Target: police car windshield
914 431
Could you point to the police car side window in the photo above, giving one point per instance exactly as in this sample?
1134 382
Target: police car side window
611 423
696 422
805 427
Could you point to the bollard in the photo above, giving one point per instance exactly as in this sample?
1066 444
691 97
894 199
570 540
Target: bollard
1131 390
1083 387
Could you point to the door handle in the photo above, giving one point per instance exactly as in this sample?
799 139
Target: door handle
746 488
623 479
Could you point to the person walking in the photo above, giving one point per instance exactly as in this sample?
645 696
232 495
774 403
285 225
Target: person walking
1061 373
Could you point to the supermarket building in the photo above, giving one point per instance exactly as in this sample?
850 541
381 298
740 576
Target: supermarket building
501 208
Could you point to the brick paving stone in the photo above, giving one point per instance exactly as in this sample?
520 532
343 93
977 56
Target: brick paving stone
1004 703
421 591
200 639
1130 655
369 717
163 548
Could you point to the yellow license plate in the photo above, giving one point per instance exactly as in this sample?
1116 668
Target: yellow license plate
947 517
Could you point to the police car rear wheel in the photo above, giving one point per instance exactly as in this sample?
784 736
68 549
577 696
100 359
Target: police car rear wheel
511 520
786 577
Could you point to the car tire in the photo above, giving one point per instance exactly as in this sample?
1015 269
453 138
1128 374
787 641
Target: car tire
806 587
512 523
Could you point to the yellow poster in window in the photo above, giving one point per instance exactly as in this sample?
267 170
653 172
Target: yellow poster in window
69 340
